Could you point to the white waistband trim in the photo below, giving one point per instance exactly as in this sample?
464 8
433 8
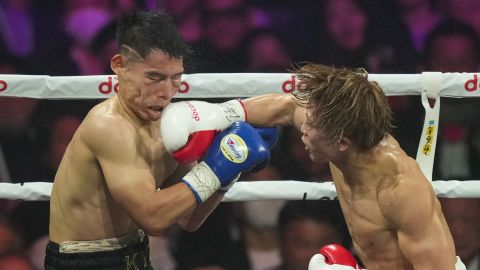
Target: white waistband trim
102 244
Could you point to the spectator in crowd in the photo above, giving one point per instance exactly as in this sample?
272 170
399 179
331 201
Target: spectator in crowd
295 162
217 243
455 47
62 130
36 252
17 28
33 216
188 18
19 146
11 241
161 247
18 137
350 36
420 16
104 45
15 262
226 30
466 11
463 219
266 52
452 46
259 224
82 21
304 227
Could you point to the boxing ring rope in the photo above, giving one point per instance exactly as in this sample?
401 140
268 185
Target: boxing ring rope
231 85
257 190
222 85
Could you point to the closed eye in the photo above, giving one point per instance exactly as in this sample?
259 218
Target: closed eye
154 76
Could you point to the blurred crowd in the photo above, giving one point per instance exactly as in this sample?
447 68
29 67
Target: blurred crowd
77 37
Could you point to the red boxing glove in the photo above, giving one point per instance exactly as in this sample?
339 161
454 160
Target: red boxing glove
336 254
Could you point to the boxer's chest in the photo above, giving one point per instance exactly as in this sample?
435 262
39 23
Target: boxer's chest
368 228
160 162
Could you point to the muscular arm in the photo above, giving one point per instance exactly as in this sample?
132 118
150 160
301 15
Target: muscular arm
129 178
413 211
264 110
274 110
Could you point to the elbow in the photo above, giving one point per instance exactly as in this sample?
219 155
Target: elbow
154 228
154 231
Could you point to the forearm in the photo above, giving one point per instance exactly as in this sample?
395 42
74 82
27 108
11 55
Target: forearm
273 110
156 210
176 204
195 218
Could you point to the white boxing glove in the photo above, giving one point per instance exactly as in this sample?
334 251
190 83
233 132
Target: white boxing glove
317 262
188 127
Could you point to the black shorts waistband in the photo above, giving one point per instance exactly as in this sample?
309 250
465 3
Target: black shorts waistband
136 256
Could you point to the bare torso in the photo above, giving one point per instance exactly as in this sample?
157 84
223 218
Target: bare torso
393 216
370 215
81 206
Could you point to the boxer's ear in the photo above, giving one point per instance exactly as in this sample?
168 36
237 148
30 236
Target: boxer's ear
344 144
116 63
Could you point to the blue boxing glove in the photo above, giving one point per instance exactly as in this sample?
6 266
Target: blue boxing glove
270 136
233 151
238 149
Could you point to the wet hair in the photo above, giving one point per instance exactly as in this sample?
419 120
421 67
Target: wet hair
345 104
145 31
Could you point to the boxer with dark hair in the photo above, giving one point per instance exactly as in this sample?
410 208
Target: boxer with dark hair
117 183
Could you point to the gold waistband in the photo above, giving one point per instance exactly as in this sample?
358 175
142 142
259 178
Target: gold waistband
102 244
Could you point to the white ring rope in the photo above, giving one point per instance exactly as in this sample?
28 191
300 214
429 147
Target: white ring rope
228 85
221 85
257 190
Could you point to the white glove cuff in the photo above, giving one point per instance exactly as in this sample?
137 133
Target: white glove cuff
202 181
234 111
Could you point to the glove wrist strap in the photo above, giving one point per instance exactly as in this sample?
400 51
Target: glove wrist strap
202 181
234 111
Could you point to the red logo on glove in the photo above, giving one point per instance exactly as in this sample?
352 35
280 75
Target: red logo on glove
3 85
195 114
